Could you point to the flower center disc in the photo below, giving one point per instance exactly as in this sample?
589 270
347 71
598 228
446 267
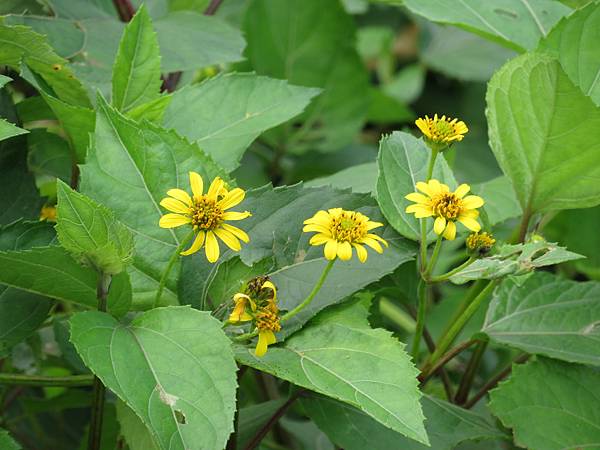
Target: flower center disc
206 214
447 205
345 228
443 129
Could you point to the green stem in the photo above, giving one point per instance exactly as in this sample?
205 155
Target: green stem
95 434
469 375
170 264
39 380
312 294
454 271
423 290
423 243
434 257
448 338
431 165
472 292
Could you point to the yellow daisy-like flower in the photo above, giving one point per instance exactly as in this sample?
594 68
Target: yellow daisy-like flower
268 324
207 214
341 230
48 213
447 207
480 243
442 130
259 291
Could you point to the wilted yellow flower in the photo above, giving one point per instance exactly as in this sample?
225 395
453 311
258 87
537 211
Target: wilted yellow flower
207 214
48 213
480 243
341 230
442 130
268 324
447 207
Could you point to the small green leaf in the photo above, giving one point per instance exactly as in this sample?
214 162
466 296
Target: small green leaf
366 368
226 113
548 315
519 259
543 132
402 162
136 73
173 366
8 130
574 42
7 442
560 399
91 232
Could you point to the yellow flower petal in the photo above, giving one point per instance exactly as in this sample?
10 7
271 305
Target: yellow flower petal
361 252
416 197
196 245
240 234
373 225
196 184
319 239
372 243
377 238
425 188
439 225
331 249
211 247
344 251
470 223
174 205
320 218
173 220
261 345
215 188
450 231
472 202
234 215
180 195
230 240
315 227
269 285
462 190
233 197
420 211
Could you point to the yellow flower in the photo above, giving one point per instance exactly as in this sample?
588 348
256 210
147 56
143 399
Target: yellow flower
341 230
48 213
207 214
259 291
447 207
480 243
268 324
239 313
442 131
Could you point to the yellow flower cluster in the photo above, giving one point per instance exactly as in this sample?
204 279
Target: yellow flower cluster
442 130
480 243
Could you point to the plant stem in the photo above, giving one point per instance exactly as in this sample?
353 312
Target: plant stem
39 380
472 292
469 375
423 243
422 307
431 165
459 324
170 264
95 434
434 257
524 225
312 294
427 373
454 271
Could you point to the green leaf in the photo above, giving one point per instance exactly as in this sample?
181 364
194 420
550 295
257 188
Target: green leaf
252 418
573 41
23 235
548 315
21 44
500 200
152 111
361 178
136 73
447 425
366 368
226 113
91 233
560 399
402 162
542 131
129 169
19 197
8 130
4 80
49 154
144 364
51 271
7 442
134 431
311 43
519 259
518 24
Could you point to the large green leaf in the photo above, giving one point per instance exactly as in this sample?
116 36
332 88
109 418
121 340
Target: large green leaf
403 161
500 200
49 154
574 41
225 114
8 130
133 430
129 169
447 425
91 233
548 315
560 399
20 44
23 235
173 366
343 358
311 43
136 73
515 23
543 133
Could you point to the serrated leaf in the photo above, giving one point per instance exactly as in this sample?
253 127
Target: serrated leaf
447 425
543 132
366 368
573 41
144 364
517 260
52 272
136 73
130 167
549 316
20 44
91 233
311 43
402 162
518 24
226 113
560 399
8 130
